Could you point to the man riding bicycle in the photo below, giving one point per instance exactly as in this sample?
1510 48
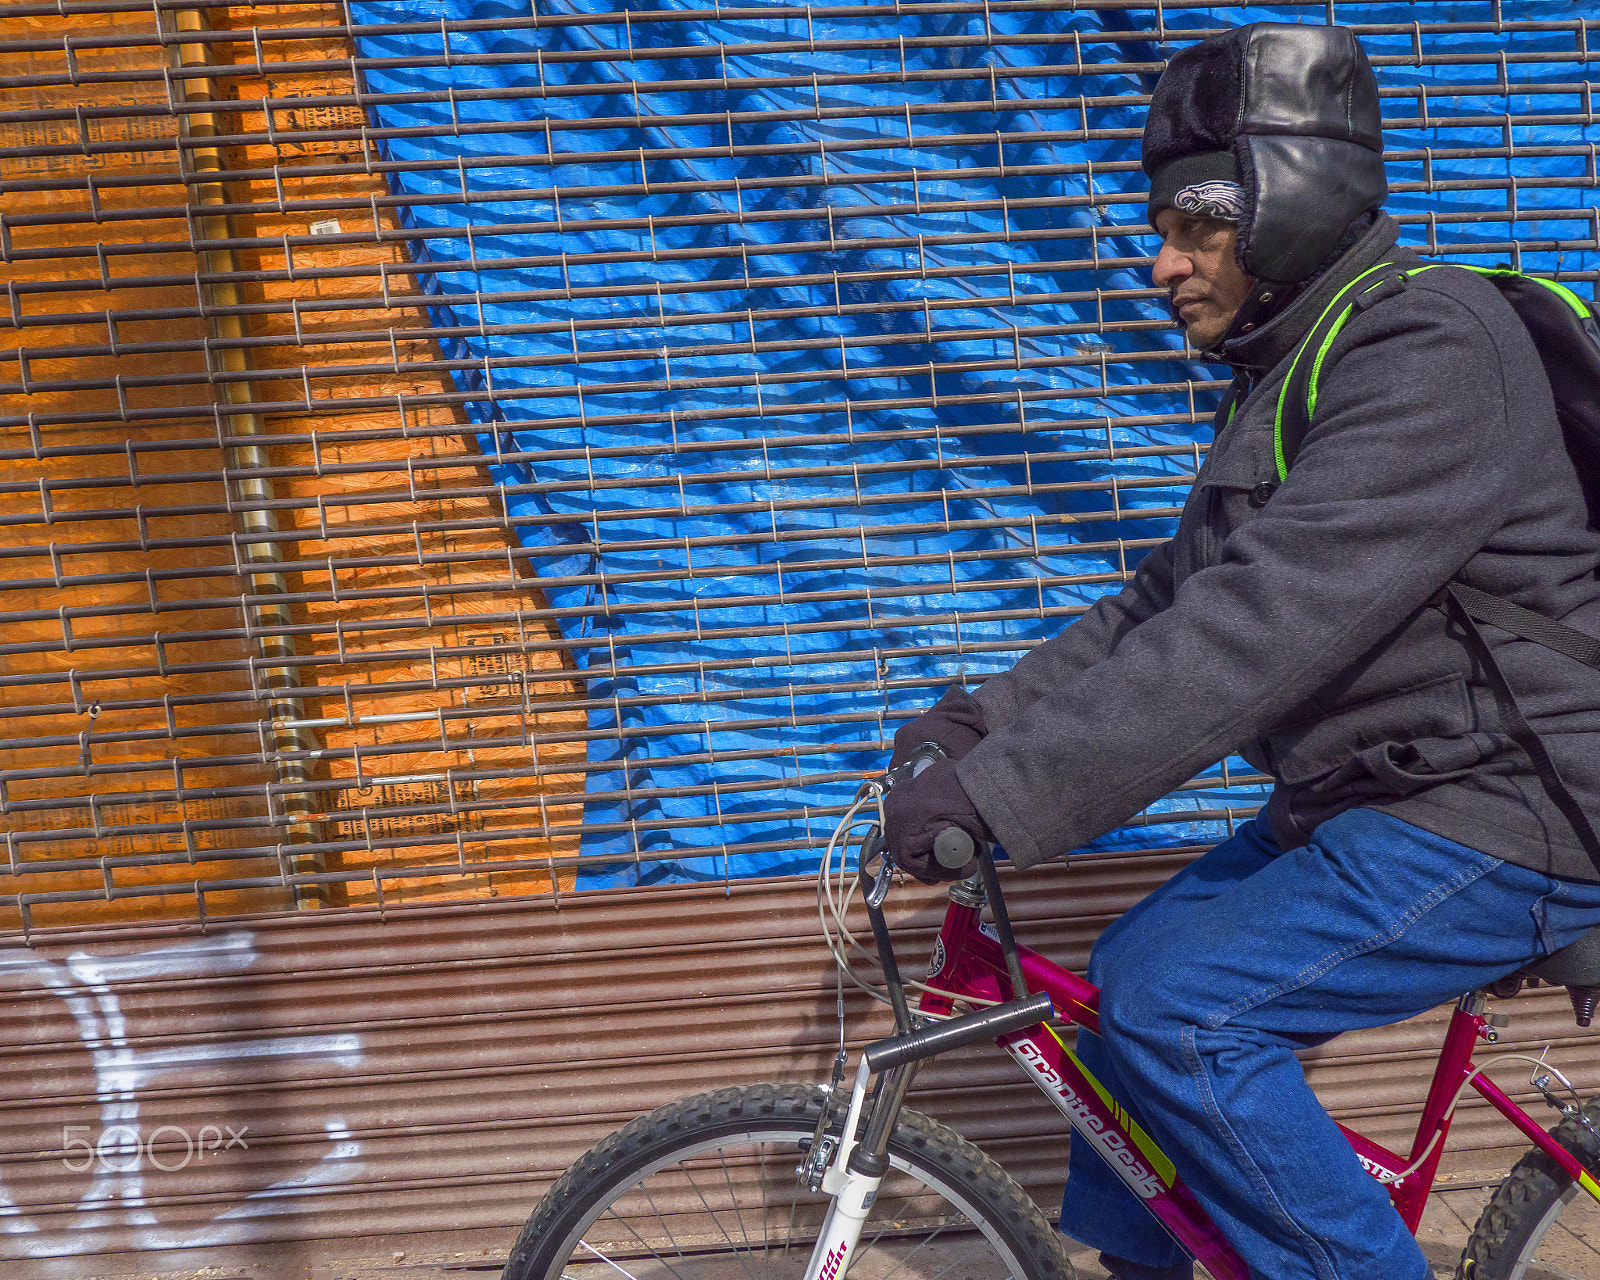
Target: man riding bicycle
1413 848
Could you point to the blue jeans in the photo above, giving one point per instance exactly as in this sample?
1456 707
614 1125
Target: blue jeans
1211 983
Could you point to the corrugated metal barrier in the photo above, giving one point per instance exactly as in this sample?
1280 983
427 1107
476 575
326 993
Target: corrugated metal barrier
456 451
417 1083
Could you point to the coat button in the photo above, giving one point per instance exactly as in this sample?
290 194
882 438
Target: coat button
1260 494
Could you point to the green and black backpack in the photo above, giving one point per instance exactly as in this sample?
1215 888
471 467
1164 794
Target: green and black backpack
1566 331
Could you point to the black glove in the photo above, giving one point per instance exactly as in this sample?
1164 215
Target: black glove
955 722
917 810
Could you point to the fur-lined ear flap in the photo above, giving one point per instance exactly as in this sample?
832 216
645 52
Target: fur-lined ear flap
1247 180
1301 195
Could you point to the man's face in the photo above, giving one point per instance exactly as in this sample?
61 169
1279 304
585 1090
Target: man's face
1197 268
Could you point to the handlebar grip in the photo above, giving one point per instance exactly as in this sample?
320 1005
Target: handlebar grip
954 848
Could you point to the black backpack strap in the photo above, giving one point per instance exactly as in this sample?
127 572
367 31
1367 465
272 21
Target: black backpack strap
1463 603
1527 625
1297 401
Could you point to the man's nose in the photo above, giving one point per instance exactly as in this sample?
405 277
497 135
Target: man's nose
1171 268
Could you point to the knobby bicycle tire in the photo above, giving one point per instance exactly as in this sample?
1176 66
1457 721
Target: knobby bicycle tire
1529 1228
650 1200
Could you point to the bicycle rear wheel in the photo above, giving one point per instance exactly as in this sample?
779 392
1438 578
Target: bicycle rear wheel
705 1189
1540 1225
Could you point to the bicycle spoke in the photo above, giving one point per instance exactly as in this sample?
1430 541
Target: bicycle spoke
607 1260
933 1235
666 1227
889 1224
887 1250
733 1197
711 1213
788 1235
712 1209
766 1232
673 1271
784 1171
976 1252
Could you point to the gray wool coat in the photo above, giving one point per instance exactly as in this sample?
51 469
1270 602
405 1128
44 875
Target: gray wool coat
1298 633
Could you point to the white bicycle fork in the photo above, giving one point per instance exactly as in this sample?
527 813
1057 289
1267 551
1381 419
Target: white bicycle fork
853 1194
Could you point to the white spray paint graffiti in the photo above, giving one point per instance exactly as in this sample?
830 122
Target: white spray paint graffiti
114 1205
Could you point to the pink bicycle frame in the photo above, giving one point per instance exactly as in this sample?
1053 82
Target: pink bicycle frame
968 961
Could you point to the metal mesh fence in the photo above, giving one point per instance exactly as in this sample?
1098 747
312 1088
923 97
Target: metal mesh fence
454 449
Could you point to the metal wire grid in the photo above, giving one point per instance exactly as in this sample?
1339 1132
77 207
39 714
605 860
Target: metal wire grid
290 618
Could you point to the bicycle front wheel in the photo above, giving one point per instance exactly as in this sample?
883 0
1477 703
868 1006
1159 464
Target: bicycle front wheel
705 1189
1540 1224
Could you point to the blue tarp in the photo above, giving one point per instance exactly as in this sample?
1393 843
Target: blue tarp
679 740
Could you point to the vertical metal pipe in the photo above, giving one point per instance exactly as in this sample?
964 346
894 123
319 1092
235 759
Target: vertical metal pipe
203 168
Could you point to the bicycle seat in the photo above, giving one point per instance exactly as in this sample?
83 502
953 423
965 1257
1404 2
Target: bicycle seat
1577 968
1575 965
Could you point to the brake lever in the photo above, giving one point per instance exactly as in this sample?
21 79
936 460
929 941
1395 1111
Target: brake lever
872 847
954 848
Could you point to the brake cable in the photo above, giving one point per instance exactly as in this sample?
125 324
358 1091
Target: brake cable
835 905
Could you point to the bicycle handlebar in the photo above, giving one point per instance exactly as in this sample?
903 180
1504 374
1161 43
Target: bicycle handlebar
952 847
985 1024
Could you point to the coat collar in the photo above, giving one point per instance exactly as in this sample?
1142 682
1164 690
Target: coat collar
1260 349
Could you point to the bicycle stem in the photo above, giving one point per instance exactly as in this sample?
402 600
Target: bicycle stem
1002 923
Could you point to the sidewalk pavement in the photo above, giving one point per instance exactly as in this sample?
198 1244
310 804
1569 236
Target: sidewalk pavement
1448 1221
1451 1213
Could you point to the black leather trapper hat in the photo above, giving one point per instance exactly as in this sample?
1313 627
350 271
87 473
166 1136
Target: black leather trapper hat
1291 113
